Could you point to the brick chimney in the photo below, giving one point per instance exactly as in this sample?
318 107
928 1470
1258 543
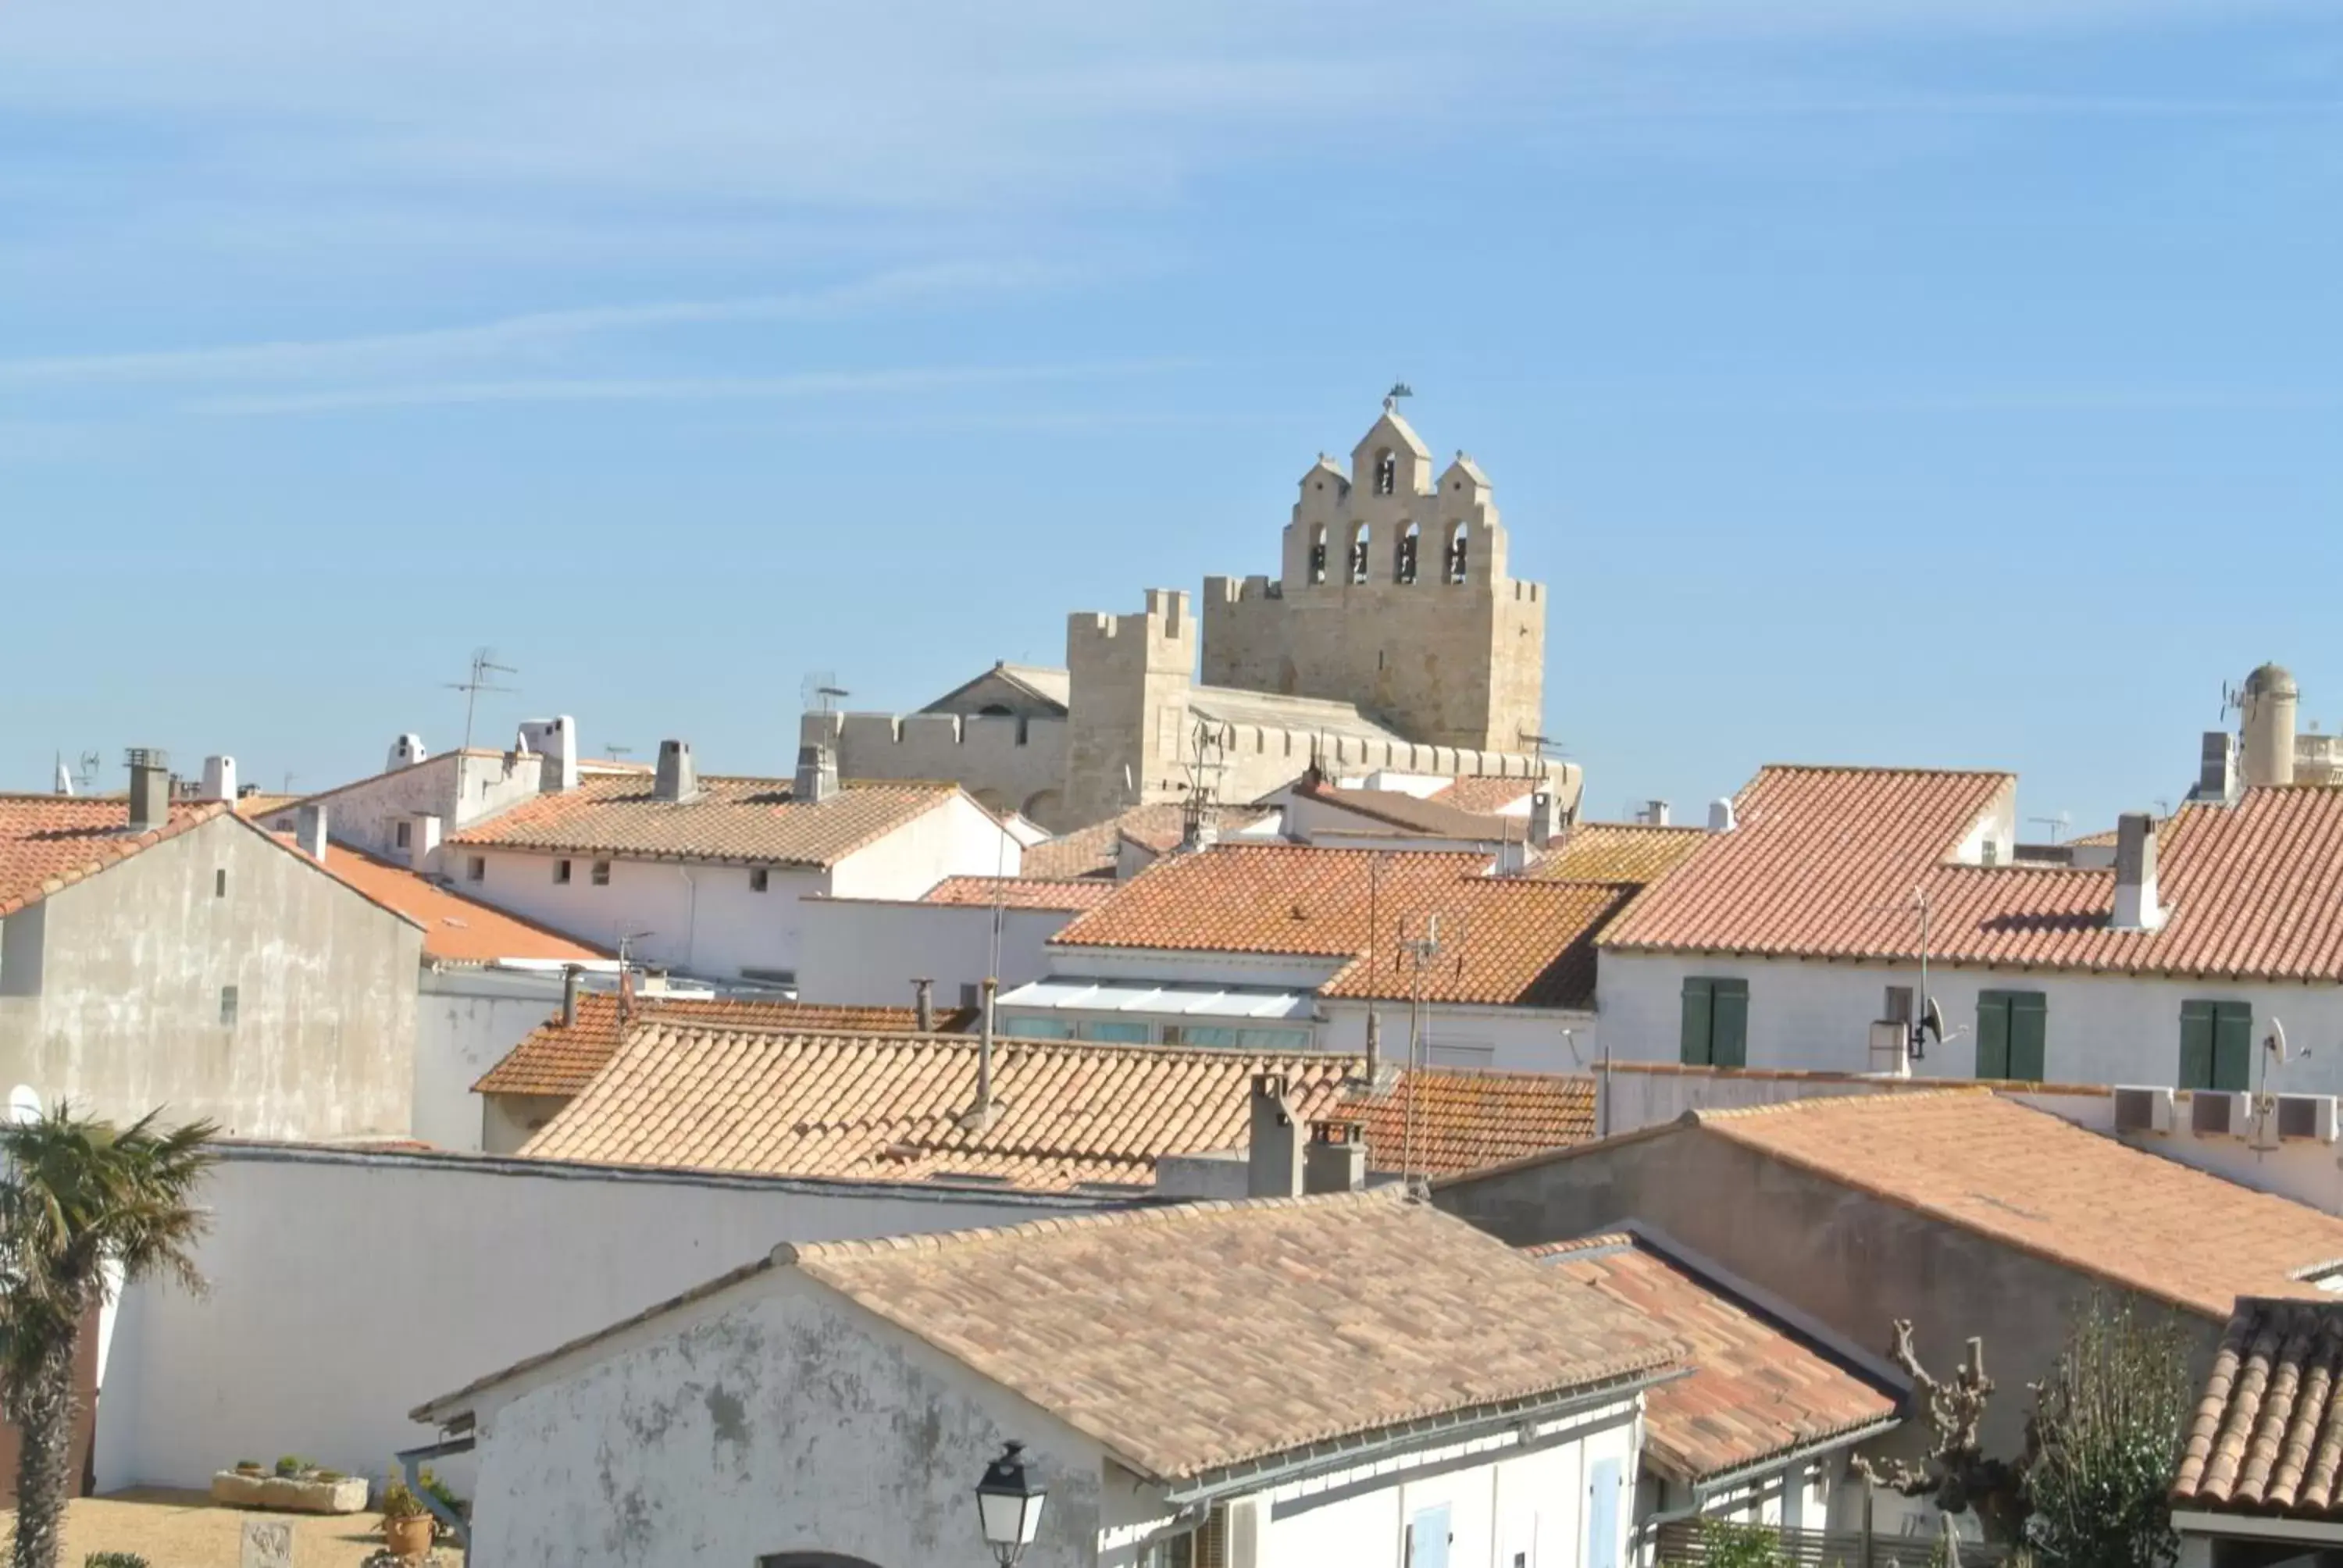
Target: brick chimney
1273 1164
677 779
2137 906
1337 1158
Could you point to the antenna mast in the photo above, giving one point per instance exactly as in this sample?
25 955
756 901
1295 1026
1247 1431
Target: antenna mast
484 666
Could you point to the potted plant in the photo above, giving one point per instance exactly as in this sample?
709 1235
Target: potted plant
250 1467
407 1525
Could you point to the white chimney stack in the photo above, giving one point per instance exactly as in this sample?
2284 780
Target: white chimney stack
555 743
309 830
406 753
1720 817
677 778
2137 908
1274 1158
1655 813
219 778
1542 817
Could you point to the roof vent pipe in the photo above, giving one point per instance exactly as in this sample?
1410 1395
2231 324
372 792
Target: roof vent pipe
569 973
923 1004
677 779
2137 907
1721 819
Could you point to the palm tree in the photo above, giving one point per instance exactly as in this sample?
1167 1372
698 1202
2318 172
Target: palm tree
79 1199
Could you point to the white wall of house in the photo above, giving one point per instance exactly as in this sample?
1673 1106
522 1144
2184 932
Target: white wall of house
466 1020
865 952
1504 1039
700 919
958 839
348 1288
460 787
2101 1029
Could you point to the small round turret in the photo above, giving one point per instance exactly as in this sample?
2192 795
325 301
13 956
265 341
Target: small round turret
2267 706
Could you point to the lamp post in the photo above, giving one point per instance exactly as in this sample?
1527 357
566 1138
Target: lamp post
1009 1505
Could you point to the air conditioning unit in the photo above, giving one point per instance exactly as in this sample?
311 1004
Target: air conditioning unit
2143 1109
2213 1112
2309 1116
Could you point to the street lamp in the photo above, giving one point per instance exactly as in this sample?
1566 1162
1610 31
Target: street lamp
1009 1503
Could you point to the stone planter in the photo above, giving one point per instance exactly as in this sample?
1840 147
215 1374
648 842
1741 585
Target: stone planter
283 1495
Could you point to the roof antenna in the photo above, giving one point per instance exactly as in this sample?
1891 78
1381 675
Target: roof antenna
484 665
2275 1054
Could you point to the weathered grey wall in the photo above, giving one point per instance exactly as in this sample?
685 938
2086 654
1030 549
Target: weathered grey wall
128 1013
1853 1263
773 1418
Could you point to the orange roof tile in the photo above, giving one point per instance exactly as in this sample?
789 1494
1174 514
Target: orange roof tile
1433 818
1023 893
1757 1390
2046 1187
455 930
730 820
1487 795
48 842
1617 852
1825 863
1512 941
1094 850
2267 1436
557 1059
1464 1120
888 1107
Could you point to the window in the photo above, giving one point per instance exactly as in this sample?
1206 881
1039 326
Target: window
760 881
1318 554
403 835
1200 1034
2217 1045
1603 1487
219 883
560 872
1715 1022
1428 1536
1207 1546
1358 554
475 869
1112 1030
1386 472
2010 1029
1403 556
1458 569
602 873
227 1005
1037 1026
1273 1039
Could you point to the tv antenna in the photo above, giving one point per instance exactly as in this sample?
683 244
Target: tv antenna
1927 1021
86 770
615 751
820 691
2275 1054
2057 823
484 668
1420 952
1199 811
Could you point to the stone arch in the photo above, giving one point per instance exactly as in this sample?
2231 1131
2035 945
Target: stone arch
1043 806
1361 537
995 711
1386 472
1458 567
1403 554
1318 554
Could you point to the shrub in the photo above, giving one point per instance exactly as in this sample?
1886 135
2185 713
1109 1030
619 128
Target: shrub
293 1464
2110 1416
440 1492
397 1502
114 1560
1725 1544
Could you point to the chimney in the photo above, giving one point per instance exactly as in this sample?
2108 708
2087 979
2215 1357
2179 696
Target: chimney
1274 1157
219 778
423 841
1542 817
2217 768
150 789
1513 857
1720 817
569 973
978 1116
1200 825
923 1004
1337 1159
1655 813
677 779
2137 908
309 830
817 779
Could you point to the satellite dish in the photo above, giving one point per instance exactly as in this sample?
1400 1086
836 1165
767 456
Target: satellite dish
23 1104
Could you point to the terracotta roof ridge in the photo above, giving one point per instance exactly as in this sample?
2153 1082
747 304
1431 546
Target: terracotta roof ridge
798 1253
684 1025
2006 773
1708 1116
1596 1243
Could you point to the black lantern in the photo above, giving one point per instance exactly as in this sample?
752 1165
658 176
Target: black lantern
1009 1503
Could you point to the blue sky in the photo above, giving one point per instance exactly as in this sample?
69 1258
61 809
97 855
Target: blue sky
1928 381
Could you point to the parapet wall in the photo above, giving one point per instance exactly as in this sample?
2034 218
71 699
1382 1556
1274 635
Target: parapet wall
1005 762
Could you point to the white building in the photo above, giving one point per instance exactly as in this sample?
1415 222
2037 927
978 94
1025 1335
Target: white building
1185 1382
1782 942
869 952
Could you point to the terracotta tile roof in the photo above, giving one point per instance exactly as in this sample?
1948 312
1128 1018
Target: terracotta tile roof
2267 1437
1466 1120
2044 1186
1091 851
1433 818
1514 941
48 842
1757 1389
553 1060
1023 893
1487 795
1617 852
731 819
879 1108
1187 1339
260 805
1825 863
455 930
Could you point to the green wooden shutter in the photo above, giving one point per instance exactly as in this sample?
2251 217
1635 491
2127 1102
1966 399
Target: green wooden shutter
1729 1028
2029 1030
2233 1045
2196 1045
1697 1012
1992 1034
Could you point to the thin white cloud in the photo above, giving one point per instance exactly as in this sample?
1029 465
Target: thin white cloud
382 354
678 389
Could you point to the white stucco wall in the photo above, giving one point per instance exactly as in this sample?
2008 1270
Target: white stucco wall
865 952
346 1288
460 788
1503 1039
2102 1028
466 1020
958 839
700 919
